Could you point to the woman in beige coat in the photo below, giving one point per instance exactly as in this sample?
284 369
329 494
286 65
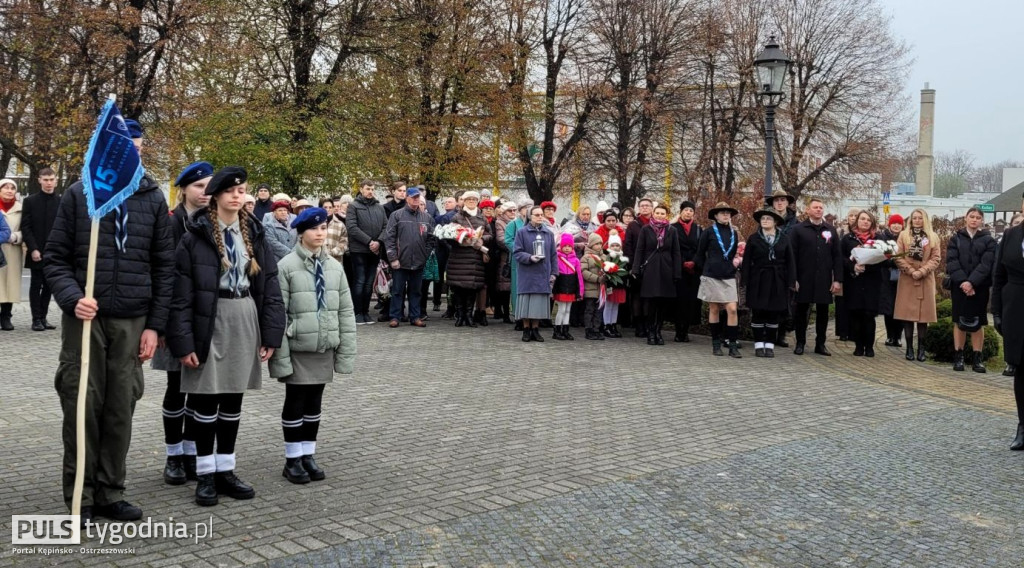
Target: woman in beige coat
915 291
10 275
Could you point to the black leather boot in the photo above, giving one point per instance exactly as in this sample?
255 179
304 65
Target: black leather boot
910 351
557 333
5 323
979 364
734 350
566 334
229 484
294 472
315 473
615 331
920 350
958 360
174 471
716 347
1018 441
188 463
206 490
527 336
535 333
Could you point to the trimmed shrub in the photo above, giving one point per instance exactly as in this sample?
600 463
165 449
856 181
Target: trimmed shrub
938 341
944 309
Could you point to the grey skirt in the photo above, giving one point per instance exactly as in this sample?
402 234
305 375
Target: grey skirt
164 361
533 306
233 365
717 291
310 368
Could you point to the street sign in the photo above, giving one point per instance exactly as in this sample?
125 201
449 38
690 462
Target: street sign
885 198
986 207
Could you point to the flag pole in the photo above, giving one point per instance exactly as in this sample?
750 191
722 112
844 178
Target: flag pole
83 378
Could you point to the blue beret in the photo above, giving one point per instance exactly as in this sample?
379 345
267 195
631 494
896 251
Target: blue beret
193 173
412 192
226 178
309 218
134 128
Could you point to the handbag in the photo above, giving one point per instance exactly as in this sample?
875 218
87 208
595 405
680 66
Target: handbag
382 282
430 271
947 283
506 270
968 324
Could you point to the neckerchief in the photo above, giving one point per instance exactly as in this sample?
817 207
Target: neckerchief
121 226
229 247
771 242
732 241
321 285
659 226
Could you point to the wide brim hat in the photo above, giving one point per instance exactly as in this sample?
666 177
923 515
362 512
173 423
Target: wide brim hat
779 193
779 220
722 206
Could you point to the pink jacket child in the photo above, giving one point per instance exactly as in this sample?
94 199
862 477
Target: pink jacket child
568 265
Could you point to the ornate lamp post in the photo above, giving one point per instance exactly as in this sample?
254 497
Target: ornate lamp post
772 66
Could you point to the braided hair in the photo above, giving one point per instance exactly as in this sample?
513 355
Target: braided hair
243 224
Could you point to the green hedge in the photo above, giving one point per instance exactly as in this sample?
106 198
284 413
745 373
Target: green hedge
944 309
938 341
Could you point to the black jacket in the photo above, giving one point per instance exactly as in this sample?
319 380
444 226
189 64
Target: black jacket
819 262
38 212
197 282
970 259
690 282
133 283
365 221
861 291
766 279
261 208
632 235
661 266
711 260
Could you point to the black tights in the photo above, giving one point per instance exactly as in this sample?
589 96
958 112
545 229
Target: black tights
908 332
300 417
656 310
1018 392
765 325
216 421
177 420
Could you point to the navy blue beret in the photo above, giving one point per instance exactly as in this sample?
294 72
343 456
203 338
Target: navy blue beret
226 178
134 128
309 218
193 173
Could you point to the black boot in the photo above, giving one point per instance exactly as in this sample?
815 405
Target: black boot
527 336
910 351
1010 370
481 317
920 350
657 334
979 364
294 472
734 350
615 331
758 351
457 313
716 347
188 463
1018 441
315 473
682 336
556 333
958 360
519 325
652 339
229 484
37 325
174 471
566 334
535 333
640 330
206 490
780 340
5 323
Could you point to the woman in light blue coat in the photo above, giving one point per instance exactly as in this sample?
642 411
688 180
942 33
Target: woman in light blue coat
320 340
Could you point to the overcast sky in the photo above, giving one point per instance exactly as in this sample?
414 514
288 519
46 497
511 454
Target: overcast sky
970 52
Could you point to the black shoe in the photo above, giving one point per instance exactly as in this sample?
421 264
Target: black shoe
958 360
1018 441
658 337
85 516
589 335
979 365
897 343
769 353
734 350
683 337
314 471
1010 370
890 342
781 342
652 339
920 351
640 330
383 318
174 471
869 351
448 314
535 331
506 319
188 463
557 333
820 349
294 472
48 325
615 332
716 347
566 334
37 325
437 307
120 511
527 336
858 351
229 484
910 353
206 490
759 352
519 325
5 323
468 319
799 349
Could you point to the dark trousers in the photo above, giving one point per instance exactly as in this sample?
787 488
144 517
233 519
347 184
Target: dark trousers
405 281
442 264
115 384
346 265
501 305
300 417
862 327
893 327
38 294
656 311
364 265
177 424
592 316
801 318
1018 392
842 318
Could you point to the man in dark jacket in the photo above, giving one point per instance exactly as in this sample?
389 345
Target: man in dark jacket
38 213
819 266
645 208
129 309
409 237
365 222
263 201
398 194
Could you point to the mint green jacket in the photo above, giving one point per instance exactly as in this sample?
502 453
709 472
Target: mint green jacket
333 329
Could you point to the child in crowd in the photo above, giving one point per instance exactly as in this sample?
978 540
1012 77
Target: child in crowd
568 285
593 278
615 291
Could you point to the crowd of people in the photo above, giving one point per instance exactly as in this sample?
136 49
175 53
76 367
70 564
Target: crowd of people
229 280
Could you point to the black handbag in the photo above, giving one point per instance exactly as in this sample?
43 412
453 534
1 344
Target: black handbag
968 324
506 270
947 283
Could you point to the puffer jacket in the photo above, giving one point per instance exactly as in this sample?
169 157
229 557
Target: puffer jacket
466 262
306 331
592 271
365 221
133 283
197 282
409 238
971 259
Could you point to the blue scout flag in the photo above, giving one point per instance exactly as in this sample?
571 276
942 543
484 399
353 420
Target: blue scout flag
112 169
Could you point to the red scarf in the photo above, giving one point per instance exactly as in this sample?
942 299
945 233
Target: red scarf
6 206
686 225
644 220
862 237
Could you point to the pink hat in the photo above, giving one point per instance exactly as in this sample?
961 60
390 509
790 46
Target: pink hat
567 240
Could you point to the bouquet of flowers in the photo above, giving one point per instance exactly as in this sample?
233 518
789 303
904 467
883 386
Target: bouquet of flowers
458 233
874 252
738 259
615 271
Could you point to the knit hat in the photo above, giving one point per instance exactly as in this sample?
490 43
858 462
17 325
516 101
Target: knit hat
595 239
602 206
471 195
526 203
507 206
551 204
895 218
686 204
566 240
614 239
486 203
278 204
6 181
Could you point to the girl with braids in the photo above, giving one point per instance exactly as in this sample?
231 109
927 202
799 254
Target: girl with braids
320 340
227 318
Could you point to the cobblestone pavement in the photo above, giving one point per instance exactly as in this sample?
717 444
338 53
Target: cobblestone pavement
457 447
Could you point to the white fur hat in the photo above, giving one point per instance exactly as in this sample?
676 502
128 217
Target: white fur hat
614 238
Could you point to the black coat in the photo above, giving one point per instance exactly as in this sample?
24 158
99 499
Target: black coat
970 259
38 212
1008 293
768 280
632 236
261 208
887 294
197 283
365 221
465 263
133 283
861 291
711 258
686 289
819 261
661 266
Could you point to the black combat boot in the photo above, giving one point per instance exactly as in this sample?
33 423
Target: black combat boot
294 472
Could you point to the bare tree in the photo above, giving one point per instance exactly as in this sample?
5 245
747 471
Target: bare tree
953 172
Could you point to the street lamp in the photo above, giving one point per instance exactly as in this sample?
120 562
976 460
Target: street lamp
772 66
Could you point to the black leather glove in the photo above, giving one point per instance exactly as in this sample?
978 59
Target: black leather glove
997 321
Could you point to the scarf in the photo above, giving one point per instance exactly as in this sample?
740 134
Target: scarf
644 221
916 248
569 264
5 206
659 226
686 225
862 237
471 212
771 242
